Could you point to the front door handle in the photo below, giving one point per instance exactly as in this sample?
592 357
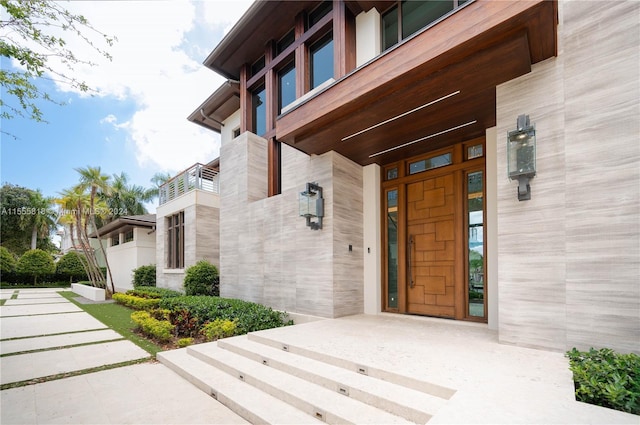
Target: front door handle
409 261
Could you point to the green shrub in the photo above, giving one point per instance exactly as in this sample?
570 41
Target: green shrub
36 263
71 266
219 328
185 342
138 303
249 316
606 378
158 329
153 292
202 279
144 276
8 264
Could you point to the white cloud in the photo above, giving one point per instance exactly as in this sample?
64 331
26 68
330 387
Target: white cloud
109 119
154 65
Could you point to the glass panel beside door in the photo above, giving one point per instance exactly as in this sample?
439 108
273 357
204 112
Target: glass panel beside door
392 248
475 241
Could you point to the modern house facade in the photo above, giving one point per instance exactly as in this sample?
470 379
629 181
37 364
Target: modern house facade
402 112
187 223
130 242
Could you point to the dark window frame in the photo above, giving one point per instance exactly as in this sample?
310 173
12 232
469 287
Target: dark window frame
316 46
175 241
290 66
456 4
128 236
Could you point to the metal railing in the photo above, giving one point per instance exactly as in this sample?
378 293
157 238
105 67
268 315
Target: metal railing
197 176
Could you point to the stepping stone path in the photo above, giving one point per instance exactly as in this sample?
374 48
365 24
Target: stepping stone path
42 334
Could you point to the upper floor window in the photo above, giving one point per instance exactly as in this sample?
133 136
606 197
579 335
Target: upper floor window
321 61
259 105
286 86
318 13
257 66
115 240
285 42
128 236
408 17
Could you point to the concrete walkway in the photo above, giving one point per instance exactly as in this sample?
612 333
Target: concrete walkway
42 334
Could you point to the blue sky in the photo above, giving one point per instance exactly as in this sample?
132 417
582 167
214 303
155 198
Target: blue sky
136 123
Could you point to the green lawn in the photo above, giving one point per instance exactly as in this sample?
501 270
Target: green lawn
118 318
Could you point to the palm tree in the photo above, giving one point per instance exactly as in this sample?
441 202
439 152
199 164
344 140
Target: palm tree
43 219
126 199
75 205
92 178
158 180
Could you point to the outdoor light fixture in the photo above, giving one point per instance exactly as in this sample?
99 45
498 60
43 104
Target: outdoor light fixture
521 153
311 205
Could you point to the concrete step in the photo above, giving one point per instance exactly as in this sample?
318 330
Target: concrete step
411 404
314 400
247 401
361 368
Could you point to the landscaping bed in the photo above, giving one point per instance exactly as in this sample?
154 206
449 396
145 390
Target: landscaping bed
606 378
173 320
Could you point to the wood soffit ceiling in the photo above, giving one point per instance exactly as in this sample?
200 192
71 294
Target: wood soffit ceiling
267 20
217 108
485 44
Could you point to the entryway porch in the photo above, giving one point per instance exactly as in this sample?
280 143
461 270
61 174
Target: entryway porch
386 368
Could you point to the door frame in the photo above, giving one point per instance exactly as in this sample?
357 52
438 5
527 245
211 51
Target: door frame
396 176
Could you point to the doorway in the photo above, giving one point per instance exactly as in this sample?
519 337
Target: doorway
433 226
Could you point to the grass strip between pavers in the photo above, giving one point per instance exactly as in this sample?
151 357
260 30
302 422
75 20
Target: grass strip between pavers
118 318
42 314
53 334
70 374
61 347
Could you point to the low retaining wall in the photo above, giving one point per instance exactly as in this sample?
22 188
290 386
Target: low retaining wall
89 292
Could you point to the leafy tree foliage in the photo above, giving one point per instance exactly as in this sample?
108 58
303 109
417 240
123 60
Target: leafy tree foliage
73 266
202 279
32 33
36 263
27 219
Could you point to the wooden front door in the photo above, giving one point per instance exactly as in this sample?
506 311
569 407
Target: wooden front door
433 234
431 246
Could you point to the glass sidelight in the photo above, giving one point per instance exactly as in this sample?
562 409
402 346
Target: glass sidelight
392 248
475 244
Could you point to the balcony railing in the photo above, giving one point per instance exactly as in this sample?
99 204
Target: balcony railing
197 176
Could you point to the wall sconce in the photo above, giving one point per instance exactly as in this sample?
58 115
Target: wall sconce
521 153
311 205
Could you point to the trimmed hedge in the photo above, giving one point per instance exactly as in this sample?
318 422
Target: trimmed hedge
606 378
217 329
159 329
144 276
202 279
249 316
138 303
153 292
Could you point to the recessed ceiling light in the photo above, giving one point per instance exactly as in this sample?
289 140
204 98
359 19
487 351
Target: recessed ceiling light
401 115
423 138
